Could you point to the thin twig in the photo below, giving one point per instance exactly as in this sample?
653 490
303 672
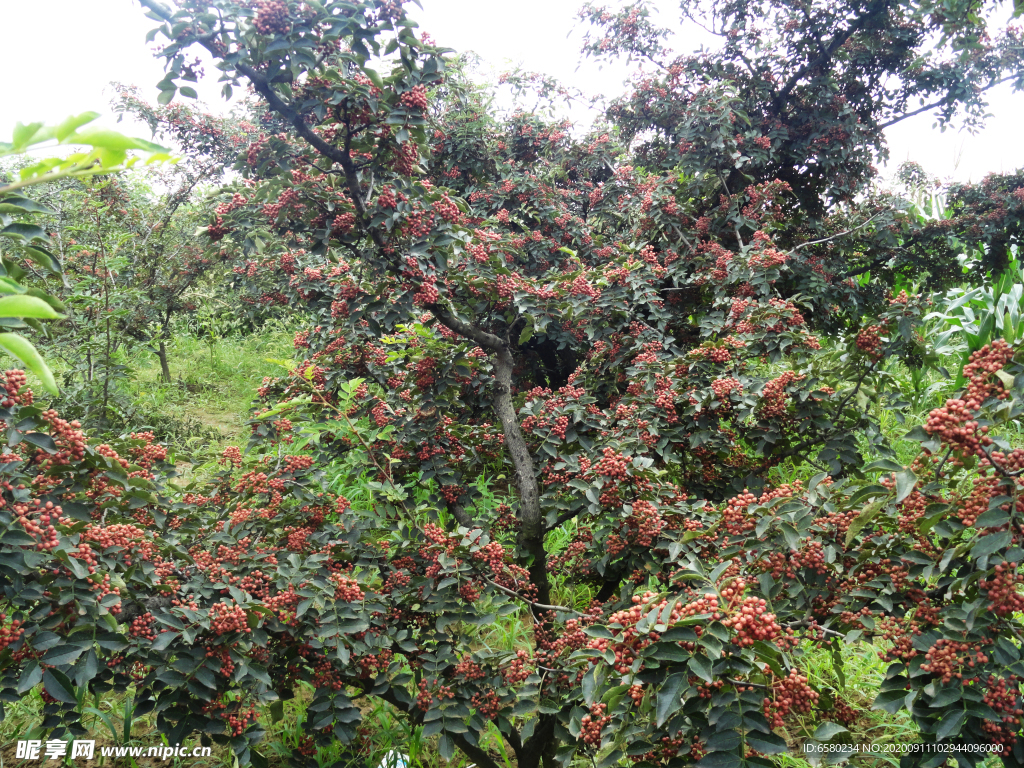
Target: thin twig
531 603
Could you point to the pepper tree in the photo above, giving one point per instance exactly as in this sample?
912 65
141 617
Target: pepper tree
634 344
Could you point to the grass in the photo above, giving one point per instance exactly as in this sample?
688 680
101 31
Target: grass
213 382
205 407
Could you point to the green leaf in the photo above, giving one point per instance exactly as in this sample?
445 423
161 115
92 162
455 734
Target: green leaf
277 711
27 306
890 701
59 686
986 545
668 697
31 676
828 731
862 520
721 760
44 258
22 349
527 332
163 640
53 301
19 230
25 135
63 654
72 124
16 204
188 92
950 724
768 743
374 77
905 483
103 138
701 666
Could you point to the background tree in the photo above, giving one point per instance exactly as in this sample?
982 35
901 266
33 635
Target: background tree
169 261
25 240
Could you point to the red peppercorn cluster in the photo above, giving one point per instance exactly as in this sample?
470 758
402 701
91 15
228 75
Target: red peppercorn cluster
487 705
226 618
613 467
517 670
406 157
774 397
13 383
142 626
712 354
69 438
790 695
415 98
427 293
240 720
582 288
469 670
869 341
305 746
1003 696
42 531
148 455
347 590
470 592
948 658
297 464
591 725
1003 590
10 633
343 223
749 618
424 372
271 17
643 524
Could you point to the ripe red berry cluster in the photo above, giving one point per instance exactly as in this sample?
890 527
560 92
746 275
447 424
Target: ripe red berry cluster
347 590
591 725
240 720
469 670
142 626
790 695
774 397
226 618
9 633
1003 590
948 659
271 16
487 705
869 341
415 98
406 157
14 382
42 531
517 670
751 621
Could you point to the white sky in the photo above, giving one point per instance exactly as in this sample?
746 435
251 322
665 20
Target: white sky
76 47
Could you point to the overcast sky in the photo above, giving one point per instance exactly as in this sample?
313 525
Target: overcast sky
76 47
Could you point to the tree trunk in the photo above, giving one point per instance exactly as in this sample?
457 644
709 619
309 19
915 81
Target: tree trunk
165 371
